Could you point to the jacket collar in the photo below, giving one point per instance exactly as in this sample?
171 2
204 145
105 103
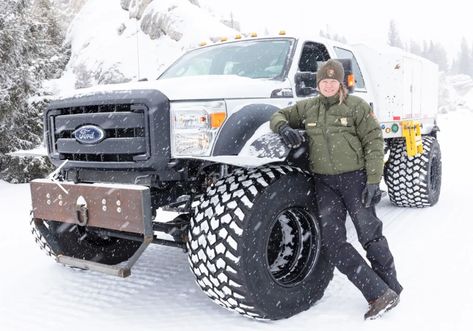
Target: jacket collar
330 101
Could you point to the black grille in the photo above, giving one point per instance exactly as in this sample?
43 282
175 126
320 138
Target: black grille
98 157
126 133
113 108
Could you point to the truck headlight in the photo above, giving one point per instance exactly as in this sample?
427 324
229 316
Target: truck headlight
194 126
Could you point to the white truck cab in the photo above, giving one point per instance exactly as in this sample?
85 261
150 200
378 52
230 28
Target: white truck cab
398 85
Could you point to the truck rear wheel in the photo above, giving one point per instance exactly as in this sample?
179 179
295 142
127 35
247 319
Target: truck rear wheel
414 181
255 246
57 238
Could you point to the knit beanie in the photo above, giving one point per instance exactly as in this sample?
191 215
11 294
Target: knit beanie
332 69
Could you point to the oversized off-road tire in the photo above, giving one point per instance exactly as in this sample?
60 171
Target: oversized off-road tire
57 238
414 181
255 246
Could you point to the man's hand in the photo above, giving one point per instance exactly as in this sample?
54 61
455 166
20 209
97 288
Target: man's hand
371 195
291 137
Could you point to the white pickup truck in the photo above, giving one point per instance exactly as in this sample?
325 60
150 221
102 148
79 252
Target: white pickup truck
197 141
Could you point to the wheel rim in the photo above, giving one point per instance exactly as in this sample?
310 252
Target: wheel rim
293 246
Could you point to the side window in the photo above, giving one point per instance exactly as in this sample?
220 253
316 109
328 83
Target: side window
346 54
312 55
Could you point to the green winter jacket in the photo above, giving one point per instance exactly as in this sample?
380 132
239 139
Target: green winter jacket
342 137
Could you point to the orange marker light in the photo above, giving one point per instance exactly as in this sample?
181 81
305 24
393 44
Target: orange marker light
351 80
217 119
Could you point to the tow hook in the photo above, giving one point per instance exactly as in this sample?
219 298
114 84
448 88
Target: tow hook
82 213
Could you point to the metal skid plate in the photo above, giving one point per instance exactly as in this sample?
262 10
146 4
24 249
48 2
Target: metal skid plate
109 206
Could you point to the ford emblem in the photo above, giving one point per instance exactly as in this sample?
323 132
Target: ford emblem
89 134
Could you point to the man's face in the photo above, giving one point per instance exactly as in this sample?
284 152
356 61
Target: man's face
329 87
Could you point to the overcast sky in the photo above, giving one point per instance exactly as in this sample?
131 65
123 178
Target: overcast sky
358 20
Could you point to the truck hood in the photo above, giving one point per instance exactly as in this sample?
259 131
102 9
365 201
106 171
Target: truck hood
194 88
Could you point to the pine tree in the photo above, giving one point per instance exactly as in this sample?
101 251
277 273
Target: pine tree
464 60
14 75
415 48
335 36
30 51
425 48
471 61
393 35
437 54
454 67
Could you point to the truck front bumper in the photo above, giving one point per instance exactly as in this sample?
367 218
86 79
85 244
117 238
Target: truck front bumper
125 208
116 207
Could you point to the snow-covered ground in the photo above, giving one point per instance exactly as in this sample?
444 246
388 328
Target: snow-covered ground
433 249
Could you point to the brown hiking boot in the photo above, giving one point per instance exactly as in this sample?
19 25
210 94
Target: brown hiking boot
382 304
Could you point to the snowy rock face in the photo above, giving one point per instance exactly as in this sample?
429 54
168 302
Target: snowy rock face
456 92
160 21
132 39
137 7
67 9
175 17
125 4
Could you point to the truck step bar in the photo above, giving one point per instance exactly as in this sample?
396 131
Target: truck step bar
121 270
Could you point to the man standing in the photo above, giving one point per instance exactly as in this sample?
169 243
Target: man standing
346 157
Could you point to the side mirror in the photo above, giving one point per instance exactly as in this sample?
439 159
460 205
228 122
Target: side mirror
349 79
305 83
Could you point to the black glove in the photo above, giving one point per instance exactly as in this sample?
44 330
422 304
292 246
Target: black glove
371 195
291 137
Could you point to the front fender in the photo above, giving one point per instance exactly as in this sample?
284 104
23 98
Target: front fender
265 144
264 147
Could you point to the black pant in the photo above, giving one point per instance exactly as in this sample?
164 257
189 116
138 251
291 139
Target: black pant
337 194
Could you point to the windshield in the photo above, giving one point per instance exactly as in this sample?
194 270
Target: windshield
263 58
